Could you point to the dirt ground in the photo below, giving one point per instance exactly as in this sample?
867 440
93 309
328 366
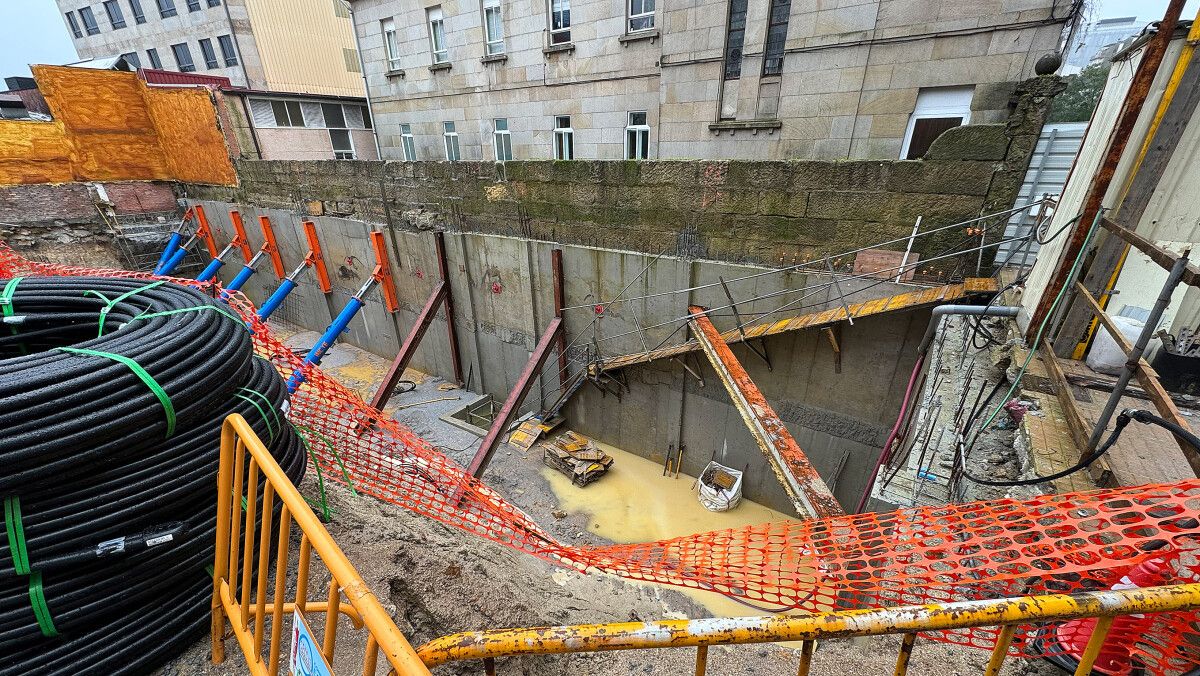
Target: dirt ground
436 580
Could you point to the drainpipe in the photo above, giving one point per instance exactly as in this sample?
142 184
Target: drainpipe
362 65
934 322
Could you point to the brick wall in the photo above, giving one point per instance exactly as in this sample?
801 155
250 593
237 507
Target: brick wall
762 211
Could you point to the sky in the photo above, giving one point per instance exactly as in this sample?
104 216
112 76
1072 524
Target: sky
32 31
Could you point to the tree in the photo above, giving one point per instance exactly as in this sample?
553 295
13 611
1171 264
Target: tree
1079 99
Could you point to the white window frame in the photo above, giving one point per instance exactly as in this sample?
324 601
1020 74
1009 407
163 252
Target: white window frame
391 47
564 138
938 102
640 149
501 138
450 140
631 16
492 44
559 36
436 24
407 142
353 153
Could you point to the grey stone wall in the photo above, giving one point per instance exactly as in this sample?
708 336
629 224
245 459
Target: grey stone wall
750 211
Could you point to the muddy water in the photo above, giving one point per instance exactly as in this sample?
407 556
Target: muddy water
634 502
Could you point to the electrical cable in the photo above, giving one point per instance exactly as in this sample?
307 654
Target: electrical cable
1123 419
112 396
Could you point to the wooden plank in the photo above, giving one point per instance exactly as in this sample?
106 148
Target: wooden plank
1165 259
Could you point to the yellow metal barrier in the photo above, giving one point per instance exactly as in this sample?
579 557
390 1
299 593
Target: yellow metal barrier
908 621
245 459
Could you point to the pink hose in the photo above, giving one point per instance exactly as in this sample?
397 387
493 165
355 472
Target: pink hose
887 445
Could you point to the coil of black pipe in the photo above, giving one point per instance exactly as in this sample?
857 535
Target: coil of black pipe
112 395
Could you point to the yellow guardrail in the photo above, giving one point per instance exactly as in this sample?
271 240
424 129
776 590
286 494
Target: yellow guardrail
244 459
240 597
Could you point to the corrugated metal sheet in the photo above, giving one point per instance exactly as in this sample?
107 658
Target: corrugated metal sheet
302 43
167 77
1048 169
1095 144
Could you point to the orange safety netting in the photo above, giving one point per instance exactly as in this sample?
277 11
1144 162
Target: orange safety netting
1049 544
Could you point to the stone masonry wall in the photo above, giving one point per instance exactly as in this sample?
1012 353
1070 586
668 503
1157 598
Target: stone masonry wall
744 211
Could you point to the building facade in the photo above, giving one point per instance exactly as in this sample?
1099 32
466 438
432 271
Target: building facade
750 79
297 46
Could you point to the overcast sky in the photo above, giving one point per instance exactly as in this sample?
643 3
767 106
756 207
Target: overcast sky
32 31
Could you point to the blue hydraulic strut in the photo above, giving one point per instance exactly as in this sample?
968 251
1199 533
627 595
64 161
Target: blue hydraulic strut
335 329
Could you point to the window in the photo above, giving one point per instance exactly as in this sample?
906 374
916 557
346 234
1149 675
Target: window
391 48
343 147
287 114
938 109
501 139
228 51
735 38
350 56
560 22
74 25
641 15
637 137
450 139
183 57
210 54
214 3
89 20
339 9
166 8
115 17
136 7
132 59
564 143
406 140
777 26
493 27
193 5
155 62
437 35
334 117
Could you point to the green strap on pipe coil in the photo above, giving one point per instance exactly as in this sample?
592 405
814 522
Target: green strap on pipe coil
261 413
112 303
270 407
333 451
6 304
324 506
16 534
37 599
196 308
167 406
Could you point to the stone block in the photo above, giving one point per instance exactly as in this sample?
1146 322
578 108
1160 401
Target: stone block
971 142
965 177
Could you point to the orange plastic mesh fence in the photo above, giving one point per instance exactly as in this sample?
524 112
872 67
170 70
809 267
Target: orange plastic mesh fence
1048 544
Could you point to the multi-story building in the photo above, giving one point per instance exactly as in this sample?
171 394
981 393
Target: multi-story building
535 79
291 67
1093 38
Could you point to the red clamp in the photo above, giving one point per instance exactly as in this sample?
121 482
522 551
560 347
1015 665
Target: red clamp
382 274
314 258
239 237
270 247
204 232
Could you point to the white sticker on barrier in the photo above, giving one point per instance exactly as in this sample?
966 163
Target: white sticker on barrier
307 659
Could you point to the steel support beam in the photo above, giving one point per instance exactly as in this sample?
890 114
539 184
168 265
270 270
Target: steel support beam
532 368
439 242
807 490
559 301
409 347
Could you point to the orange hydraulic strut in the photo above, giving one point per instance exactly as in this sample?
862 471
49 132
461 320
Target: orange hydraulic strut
203 231
382 274
239 238
268 248
312 259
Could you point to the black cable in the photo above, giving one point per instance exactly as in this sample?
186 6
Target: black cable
1123 419
116 515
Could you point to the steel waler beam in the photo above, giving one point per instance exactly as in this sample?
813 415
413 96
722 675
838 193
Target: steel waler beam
805 487
504 417
409 348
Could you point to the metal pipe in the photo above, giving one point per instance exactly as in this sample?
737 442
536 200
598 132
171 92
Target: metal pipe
1139 348
864 622
214 265
276 299
335 329
246 272
974 310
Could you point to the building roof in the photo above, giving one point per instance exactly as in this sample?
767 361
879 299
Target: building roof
103 63
155 76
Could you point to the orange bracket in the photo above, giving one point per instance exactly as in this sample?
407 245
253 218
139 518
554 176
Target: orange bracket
239 238
314 257
270 247
204 232
382 274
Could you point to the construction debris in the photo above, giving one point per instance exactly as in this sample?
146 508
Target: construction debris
529 431
720 487
576 456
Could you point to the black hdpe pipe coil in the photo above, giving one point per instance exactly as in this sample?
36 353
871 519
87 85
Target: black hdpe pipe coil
112 396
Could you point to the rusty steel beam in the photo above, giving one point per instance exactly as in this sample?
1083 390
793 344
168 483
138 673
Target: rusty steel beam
808 492
515 397
559 301
439 241
1131 107
409 347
